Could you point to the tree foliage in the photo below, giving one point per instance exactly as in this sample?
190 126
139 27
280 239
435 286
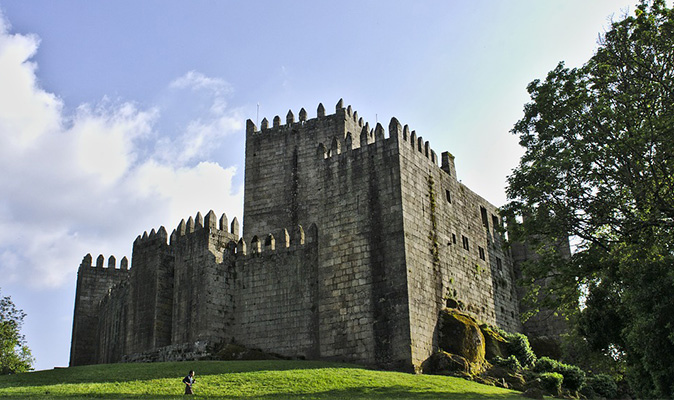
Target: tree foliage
599 168
14 353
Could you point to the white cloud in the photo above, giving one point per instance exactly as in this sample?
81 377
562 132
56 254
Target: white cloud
93 180
203 135
104 139
197 81
26 111
188 190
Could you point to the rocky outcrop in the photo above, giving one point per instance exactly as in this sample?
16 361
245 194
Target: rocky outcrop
460 334
461 346
495 344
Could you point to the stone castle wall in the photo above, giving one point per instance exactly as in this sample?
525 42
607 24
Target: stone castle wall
545 322
338 173
454 251
113 324
390 238
93 284
202 308
276 294
150 293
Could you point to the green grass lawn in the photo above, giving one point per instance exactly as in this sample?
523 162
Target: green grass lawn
241 380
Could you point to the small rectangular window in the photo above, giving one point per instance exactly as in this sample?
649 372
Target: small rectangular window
481 251
449 196
453 238
499 265
495 221
464 239
485 221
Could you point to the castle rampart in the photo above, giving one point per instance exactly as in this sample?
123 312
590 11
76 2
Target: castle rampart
93 283
389 238
276 293
200 310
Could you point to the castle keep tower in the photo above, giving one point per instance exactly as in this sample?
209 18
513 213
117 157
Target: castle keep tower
398 234
353 239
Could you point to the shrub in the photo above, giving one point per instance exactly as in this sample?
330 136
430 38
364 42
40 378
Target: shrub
518 345
551 382
600 385
510 362
545 364
574 377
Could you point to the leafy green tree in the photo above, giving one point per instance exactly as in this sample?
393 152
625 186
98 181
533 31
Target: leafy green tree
599 168
14 353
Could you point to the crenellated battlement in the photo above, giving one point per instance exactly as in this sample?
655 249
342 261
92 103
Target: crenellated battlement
154 236
290 122
367 137
350 140
210 222
87 263
282 240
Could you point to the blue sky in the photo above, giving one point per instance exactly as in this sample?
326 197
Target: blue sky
117 117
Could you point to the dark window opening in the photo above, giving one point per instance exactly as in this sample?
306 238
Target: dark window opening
453 238
499 264
485 221
481 251
464 239
449 196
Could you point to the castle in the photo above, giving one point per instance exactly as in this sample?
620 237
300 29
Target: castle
353 240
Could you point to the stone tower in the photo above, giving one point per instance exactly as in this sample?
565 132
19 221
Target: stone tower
398 235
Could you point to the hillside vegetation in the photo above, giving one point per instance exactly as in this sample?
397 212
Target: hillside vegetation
241 380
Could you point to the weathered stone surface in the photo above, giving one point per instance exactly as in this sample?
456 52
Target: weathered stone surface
546 346
237 352
460 334
443 363
505 378
495 344
191 351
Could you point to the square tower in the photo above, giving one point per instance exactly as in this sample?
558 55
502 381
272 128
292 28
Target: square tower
388 220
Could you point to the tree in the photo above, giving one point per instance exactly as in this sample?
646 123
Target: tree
599 168
15 355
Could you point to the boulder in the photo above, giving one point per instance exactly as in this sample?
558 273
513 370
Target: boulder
495 345
460 334
443 363
505 377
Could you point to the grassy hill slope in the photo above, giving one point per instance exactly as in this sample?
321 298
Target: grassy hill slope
241 380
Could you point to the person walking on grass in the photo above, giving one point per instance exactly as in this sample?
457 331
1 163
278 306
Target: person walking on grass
189 381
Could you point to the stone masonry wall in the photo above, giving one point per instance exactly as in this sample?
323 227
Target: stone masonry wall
275 293
151 293
545 322
112 324
451 246
338 173
202 301
93 284
364 304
